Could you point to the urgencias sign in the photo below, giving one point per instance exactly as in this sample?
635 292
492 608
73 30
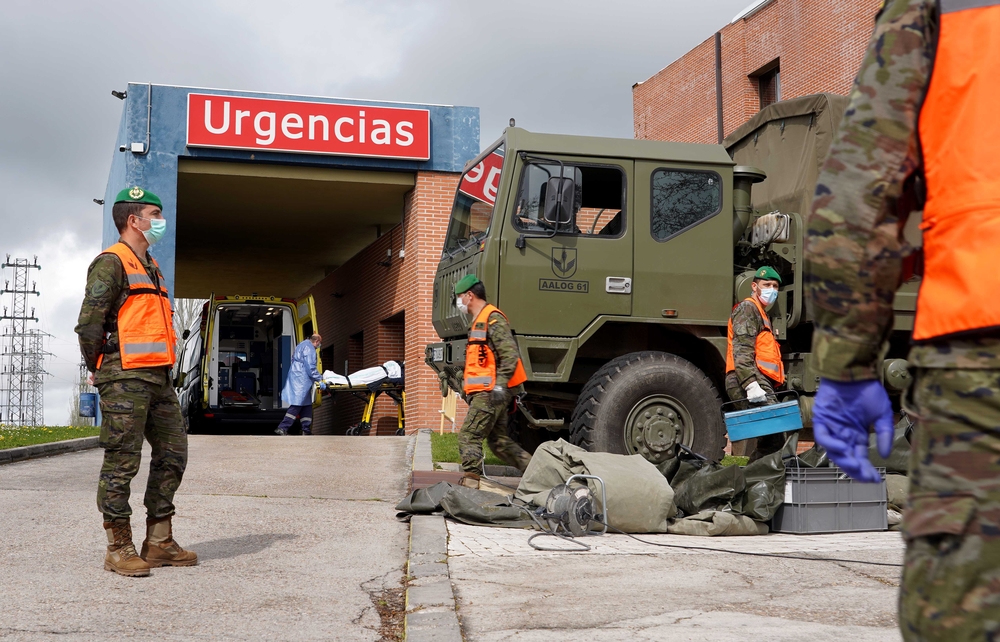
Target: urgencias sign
238 122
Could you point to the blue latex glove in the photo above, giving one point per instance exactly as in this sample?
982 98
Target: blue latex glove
842 414
322 385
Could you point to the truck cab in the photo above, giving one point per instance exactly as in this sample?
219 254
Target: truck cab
618 263
235 359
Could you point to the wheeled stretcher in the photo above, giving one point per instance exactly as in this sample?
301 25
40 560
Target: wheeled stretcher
367 385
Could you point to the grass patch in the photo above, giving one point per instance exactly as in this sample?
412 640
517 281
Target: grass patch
732 460
29 436
444 447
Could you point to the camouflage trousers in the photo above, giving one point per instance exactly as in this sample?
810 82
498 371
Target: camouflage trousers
488 420
759 446
951 578
132 409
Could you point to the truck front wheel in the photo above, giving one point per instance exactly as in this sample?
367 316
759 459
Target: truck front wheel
645 403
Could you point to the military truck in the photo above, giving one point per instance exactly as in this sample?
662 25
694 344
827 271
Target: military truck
618 263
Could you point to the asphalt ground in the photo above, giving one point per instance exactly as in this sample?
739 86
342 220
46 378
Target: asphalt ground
626 590
296 537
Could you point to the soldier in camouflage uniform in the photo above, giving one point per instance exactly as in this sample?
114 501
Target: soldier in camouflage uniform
856 257
135 402
487 416
747 325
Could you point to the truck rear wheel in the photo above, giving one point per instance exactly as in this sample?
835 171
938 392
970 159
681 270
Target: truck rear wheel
645 403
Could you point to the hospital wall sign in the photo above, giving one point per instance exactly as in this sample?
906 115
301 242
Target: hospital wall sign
305 127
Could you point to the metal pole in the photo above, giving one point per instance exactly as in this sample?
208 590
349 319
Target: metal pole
718 86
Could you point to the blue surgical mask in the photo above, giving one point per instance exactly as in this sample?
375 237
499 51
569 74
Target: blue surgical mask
768 295
157 228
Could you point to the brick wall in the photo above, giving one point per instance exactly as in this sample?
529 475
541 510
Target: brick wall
388 310
818 45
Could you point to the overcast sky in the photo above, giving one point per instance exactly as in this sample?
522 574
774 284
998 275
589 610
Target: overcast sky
559 66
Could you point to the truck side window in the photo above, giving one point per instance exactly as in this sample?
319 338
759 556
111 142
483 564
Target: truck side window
682 199
599 202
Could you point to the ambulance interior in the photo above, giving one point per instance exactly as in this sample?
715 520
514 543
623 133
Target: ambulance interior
251 350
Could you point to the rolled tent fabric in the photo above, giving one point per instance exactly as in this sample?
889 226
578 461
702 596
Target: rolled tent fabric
467 505
639 497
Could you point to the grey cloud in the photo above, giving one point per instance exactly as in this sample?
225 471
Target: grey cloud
559 66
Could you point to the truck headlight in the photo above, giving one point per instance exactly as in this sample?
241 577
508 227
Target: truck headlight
437 354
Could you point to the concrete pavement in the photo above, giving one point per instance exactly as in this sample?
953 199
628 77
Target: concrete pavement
297 540
626 590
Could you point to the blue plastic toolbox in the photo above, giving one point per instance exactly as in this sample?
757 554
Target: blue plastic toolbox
763 420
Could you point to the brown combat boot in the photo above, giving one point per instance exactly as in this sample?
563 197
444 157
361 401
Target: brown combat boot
469 480
160 549
121 557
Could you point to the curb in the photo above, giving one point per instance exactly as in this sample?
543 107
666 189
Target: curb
430 597
24 453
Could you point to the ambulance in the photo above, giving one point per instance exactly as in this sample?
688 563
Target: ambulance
235 358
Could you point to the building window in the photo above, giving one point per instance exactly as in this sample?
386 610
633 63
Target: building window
769 86
682 199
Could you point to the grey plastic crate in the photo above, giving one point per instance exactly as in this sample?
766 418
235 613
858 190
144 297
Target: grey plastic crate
826 500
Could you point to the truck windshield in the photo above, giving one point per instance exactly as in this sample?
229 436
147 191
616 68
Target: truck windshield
473 208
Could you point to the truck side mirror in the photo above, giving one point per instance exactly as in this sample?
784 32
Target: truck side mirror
560 196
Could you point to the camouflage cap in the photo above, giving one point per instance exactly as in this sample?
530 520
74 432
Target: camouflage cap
138 195
767 272
465 283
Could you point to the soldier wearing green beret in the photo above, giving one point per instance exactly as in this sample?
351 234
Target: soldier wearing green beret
126 335
753 358
493 375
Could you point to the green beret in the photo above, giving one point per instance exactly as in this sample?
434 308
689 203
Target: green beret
767 272
465 283
138 195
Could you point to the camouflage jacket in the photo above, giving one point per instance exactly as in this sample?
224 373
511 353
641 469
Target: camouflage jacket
107 289
854 247
501 341
747 324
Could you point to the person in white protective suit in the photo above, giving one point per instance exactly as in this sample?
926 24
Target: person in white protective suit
300 386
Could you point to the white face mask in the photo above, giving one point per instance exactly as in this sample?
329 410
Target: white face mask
464 309
768 295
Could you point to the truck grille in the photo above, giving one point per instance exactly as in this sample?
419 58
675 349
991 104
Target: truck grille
445 302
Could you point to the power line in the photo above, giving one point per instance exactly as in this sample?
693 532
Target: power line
22 351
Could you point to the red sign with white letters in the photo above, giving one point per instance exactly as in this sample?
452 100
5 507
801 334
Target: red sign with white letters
239 122
482 181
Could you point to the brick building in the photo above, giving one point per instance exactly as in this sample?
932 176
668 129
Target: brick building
773 50
371 312
269 195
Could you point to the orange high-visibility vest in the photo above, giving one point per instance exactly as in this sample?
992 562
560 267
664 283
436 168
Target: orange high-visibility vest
767 352
146 336
958 128
480 362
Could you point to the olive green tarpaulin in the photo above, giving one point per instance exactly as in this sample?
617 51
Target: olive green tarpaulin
702 497
898 461
789 140
755 491
476 507
716 523
640 500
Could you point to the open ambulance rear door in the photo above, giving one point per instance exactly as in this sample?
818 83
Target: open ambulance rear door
305 321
